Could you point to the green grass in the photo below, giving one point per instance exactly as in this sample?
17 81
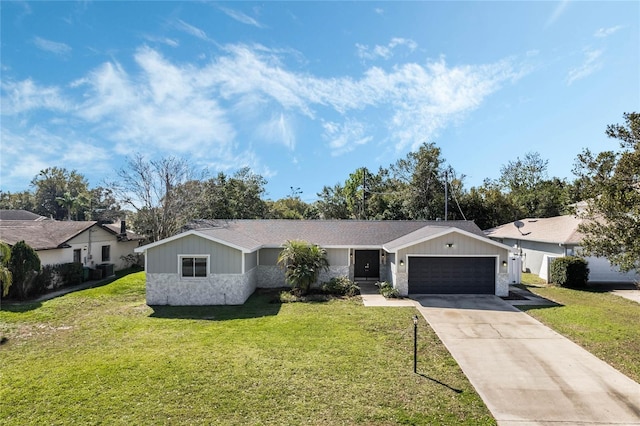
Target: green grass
531 279
102 356
606 325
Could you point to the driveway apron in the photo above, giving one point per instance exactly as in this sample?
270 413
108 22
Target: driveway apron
526 373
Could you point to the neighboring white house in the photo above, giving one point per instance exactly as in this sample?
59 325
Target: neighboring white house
223 263
540 240
86 242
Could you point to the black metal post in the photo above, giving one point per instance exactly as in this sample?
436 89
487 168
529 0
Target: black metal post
415 343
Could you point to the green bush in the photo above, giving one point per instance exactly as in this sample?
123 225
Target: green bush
70 273
24 266
341 286
52 277
387 290
569 271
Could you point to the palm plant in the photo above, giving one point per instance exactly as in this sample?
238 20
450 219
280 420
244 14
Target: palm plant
302 262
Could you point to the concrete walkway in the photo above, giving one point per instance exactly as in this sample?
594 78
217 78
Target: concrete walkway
526 373
628 294
371 296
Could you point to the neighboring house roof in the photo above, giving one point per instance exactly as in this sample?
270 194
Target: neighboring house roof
558 229
42 235
250 235
20 215
50 234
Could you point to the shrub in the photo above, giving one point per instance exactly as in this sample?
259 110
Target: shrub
52 277
569 271
341 286
387 290
24 266
70 273
132 260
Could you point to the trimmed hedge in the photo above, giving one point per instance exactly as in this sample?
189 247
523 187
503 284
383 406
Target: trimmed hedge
569 271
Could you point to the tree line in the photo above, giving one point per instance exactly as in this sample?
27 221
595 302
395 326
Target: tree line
158 197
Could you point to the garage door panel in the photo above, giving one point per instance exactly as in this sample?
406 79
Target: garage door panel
451 275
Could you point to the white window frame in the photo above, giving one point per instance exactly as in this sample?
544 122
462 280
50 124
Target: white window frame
198 256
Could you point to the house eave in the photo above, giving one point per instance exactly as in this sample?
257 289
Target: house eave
391 249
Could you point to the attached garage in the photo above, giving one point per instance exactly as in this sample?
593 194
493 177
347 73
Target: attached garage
452 275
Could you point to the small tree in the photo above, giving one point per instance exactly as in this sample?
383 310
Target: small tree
612 181
24 266
5 273
302 263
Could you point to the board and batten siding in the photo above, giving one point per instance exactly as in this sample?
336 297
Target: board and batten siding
223 259
250 260
462 246
338 256
335 256
269 256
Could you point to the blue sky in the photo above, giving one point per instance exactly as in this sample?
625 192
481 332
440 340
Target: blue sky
304 93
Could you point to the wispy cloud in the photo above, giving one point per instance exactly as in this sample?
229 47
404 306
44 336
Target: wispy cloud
166 107
278 129
60 49
385 52
241 17
417 100
164 40
590 65
190 29
25 96
606 32
378 11
345 137
557 12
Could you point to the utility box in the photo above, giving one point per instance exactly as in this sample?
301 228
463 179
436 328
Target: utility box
95 274
107 269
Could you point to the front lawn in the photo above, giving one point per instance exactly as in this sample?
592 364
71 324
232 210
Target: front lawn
606 325
103 356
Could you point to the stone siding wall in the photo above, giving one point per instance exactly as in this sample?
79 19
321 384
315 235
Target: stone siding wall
502 284
333 272
402 283
216 289
270 276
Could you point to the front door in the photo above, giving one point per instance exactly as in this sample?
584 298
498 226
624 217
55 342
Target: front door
367 265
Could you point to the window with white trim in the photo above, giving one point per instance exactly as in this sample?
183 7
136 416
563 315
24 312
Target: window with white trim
194 266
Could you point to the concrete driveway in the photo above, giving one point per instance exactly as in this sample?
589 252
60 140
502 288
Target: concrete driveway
526 373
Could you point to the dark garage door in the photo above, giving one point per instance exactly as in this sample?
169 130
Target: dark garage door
452 275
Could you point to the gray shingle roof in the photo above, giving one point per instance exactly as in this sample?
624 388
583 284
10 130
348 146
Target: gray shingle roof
41 235
252 234
559 229
20 215
49 234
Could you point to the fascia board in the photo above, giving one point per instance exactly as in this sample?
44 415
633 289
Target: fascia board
144 248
